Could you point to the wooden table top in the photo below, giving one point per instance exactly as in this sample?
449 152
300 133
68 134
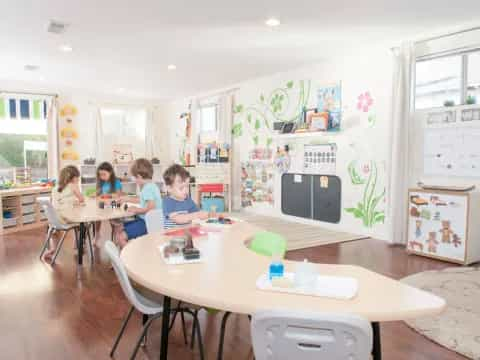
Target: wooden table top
226 281
90 212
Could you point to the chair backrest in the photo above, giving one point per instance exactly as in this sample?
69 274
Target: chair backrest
51 214
154 220
132 295
268 243
284 335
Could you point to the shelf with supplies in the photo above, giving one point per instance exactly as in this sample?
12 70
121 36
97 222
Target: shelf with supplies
442 225
20 210
315 134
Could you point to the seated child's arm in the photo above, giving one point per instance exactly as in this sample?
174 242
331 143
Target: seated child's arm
78 194
187 218
149 205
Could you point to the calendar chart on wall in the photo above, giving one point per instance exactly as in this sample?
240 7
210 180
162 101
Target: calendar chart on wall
452 151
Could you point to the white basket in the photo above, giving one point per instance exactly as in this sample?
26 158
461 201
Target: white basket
27 219
9 222
28 209
28 199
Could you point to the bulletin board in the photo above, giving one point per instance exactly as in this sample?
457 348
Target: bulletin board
452 151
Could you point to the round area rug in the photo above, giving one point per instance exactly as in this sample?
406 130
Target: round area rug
458 327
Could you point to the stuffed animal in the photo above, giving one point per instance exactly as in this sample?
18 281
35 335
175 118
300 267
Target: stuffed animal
418 228
432 242
446 232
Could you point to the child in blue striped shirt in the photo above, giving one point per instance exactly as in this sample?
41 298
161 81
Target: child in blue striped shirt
178 207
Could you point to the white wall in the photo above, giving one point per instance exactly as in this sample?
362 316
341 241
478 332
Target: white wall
358 141
84 122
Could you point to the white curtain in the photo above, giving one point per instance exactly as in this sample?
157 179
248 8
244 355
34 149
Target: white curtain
53 139
225 112
96 113
150 134
404 60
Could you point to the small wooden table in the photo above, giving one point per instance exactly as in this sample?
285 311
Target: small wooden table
88 213
226 281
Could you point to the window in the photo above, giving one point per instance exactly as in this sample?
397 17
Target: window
473 76
123 126
448 80
208 119
23 136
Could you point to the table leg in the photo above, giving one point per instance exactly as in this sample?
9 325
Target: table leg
81 242
377 345
165 328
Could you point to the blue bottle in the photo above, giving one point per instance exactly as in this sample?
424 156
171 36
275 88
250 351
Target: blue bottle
276 267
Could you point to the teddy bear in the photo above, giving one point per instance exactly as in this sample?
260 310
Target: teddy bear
432 242
446 232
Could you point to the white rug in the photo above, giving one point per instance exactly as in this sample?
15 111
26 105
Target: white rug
299 236
458 327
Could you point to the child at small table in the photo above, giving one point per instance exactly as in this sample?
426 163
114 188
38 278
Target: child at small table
107 181
178 207
149 199
107 184
64 196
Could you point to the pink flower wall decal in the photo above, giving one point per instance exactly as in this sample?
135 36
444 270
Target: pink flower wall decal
365 101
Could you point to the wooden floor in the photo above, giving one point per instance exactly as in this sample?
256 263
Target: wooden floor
65 313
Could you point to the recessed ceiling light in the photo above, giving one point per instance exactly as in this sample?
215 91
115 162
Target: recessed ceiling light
272 22
66 48
30 67
42 78
121 89
171 67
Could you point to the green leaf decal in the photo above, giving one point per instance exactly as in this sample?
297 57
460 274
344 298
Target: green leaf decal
238 109
237 130
290 85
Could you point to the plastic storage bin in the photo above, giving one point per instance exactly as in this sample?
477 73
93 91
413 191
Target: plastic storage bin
27 219
28 199
208 202
28 209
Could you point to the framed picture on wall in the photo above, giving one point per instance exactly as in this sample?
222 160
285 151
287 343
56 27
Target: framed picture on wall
122 153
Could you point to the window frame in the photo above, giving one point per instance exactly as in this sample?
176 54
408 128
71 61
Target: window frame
463 75
208 105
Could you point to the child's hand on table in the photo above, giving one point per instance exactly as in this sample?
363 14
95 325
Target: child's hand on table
134 210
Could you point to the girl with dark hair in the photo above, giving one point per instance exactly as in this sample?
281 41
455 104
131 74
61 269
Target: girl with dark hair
107 182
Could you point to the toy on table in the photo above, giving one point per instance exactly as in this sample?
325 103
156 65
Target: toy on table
220 220
182 244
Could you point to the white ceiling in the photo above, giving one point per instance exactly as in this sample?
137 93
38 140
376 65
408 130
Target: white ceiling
214 43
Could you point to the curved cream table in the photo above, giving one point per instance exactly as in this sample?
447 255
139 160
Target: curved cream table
87 213
226 281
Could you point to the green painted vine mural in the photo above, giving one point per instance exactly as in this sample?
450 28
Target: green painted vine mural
367 209
281 104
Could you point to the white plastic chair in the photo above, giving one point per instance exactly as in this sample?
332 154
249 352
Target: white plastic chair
154 220
142 304
284 335
56 225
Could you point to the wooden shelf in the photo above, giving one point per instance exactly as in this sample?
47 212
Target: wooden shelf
316 134
11 200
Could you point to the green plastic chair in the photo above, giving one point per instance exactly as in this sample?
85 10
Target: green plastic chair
268 244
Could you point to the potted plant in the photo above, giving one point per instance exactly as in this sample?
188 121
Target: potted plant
471 100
